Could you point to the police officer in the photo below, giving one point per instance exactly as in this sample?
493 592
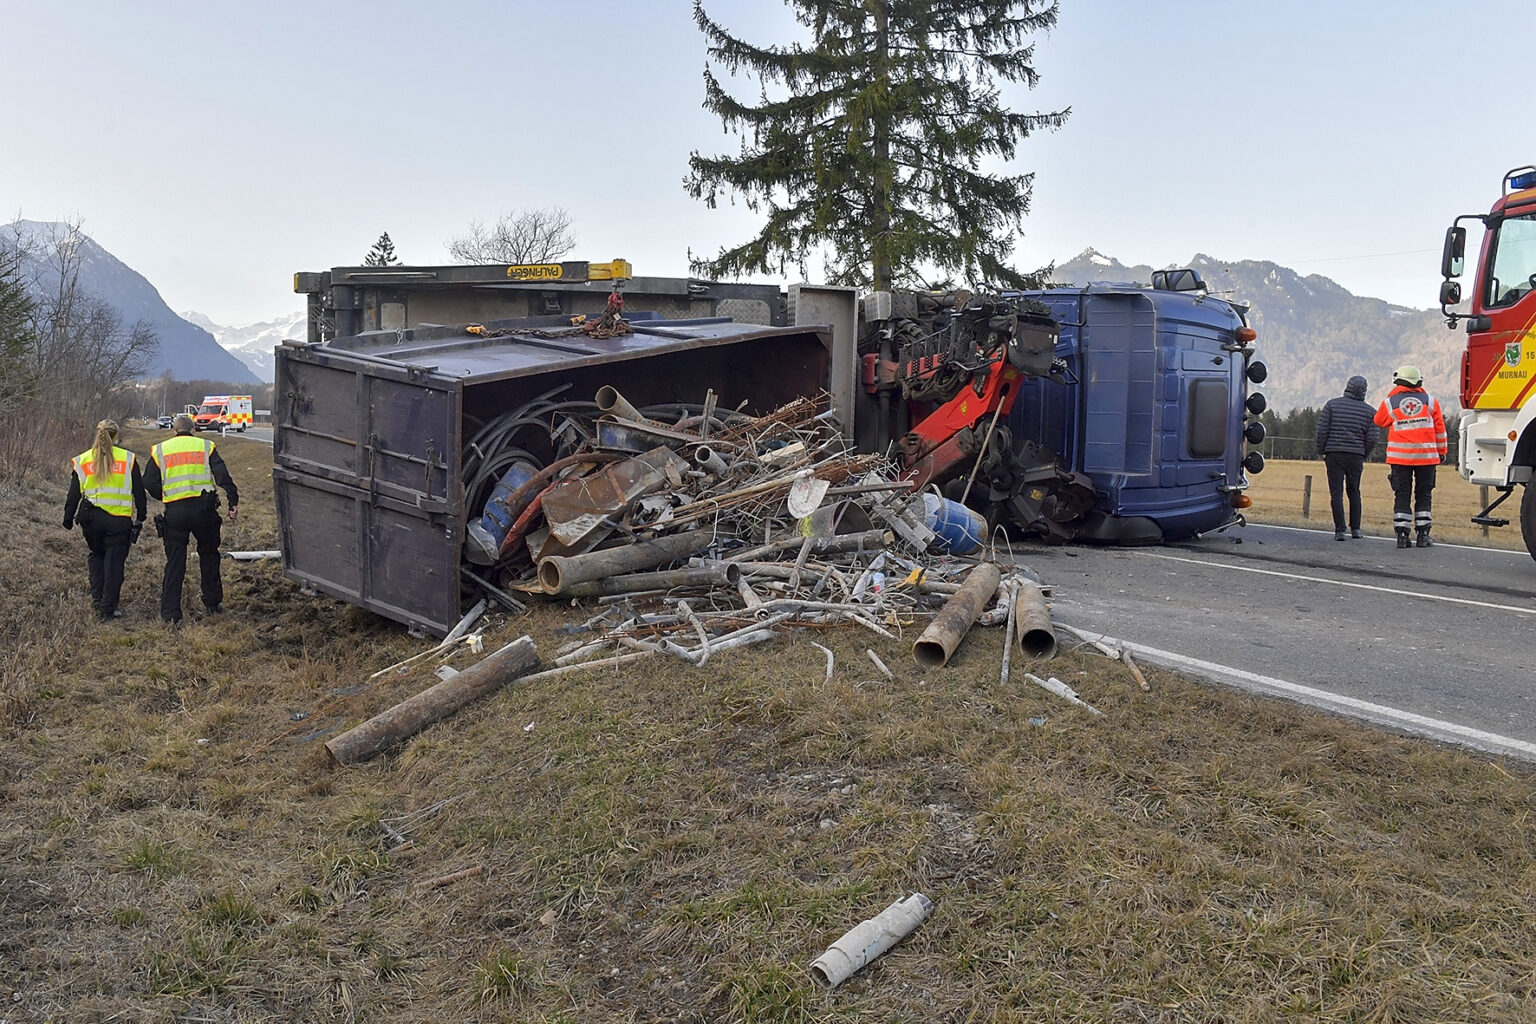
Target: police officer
106 496
1416 444
182 472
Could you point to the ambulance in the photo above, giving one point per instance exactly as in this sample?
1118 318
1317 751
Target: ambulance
224 412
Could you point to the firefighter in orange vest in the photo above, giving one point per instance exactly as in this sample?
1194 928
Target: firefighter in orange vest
1416 444
183 472
106 497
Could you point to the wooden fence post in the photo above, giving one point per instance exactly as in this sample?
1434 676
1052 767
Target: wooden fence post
1306 497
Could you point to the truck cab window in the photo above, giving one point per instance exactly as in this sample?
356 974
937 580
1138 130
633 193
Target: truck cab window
1512 272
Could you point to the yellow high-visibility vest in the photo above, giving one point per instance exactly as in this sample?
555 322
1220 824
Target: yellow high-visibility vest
110 490
183 462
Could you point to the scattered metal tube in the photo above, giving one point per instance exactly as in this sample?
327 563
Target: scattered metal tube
1009 590
1061 690
706 457
868 939
713 575
560 571
868 540
468 620
614 404
938 642
1037 638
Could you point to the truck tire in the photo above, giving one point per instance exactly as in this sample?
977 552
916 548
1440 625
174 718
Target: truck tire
1528 519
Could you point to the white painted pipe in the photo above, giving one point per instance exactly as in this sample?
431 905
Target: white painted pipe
707 458
868 939
616 405
1061 690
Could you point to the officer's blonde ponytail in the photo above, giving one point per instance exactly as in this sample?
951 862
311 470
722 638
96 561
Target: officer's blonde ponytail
106 433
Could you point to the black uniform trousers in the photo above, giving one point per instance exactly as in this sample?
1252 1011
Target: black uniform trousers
186 519
1412 495
107 538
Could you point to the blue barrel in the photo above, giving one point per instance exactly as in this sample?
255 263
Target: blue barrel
482 540
960 530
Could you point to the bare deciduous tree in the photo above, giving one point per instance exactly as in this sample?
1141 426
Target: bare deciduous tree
77 357
528 236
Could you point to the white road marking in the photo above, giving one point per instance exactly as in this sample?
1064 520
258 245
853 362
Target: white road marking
1408 721
1345 583
1438 543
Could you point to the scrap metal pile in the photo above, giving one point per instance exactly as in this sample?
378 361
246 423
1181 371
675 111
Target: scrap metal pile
698 529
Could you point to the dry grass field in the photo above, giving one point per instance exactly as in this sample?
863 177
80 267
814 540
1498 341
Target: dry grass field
677 844
1278 499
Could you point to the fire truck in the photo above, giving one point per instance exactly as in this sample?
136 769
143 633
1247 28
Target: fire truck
1497 433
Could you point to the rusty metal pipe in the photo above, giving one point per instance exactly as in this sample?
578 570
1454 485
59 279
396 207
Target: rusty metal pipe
868 540
944 633
1037 637
560 571
715 574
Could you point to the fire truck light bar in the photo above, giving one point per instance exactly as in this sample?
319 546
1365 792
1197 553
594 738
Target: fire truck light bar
1523 181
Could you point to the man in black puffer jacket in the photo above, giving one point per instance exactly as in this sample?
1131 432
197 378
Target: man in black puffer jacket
1346 436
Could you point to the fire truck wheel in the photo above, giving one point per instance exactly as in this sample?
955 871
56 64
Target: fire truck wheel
1528 518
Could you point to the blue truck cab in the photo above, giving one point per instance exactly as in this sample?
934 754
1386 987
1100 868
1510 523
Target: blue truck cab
1153 406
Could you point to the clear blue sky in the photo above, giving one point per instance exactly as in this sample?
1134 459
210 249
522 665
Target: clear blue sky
218 148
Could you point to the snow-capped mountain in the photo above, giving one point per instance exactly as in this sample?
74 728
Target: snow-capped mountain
253 343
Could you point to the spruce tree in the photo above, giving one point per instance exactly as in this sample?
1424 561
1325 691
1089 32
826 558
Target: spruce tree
16 327
867 144
382 254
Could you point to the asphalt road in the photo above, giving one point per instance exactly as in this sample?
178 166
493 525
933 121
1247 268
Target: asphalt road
1436 642
262 434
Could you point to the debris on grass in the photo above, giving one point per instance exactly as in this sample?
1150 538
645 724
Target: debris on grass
448 879
869 939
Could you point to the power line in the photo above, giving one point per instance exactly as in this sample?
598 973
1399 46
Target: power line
1363 256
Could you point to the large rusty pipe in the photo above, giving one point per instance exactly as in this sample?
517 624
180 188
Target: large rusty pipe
949 627
560 571
1037 637
616 405
715 574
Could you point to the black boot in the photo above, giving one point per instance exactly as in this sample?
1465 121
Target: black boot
1423 540
1402 538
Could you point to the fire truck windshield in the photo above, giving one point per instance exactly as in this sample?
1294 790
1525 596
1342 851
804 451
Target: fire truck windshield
1512 271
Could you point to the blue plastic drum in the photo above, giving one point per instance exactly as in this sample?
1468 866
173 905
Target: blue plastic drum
960 530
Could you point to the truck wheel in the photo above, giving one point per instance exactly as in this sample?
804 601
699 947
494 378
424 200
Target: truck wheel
1528 519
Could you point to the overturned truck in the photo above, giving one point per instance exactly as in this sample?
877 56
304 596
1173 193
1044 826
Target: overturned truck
431 408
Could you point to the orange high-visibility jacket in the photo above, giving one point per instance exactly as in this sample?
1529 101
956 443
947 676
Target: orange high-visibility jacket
1415 427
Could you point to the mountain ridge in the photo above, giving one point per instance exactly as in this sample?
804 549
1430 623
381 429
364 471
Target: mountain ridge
185 351
1313 333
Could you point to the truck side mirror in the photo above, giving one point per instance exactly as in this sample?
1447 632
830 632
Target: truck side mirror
1453 257
1450 293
